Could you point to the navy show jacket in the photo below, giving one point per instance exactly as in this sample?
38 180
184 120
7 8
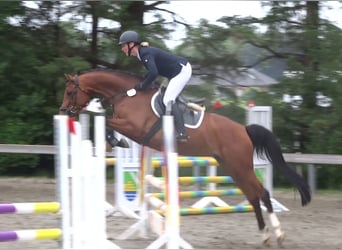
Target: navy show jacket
159 62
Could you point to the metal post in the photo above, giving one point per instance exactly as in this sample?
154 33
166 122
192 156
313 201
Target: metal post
312 177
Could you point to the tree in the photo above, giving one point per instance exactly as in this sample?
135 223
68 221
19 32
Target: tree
49 46
30 73
304 42
39 45
297 40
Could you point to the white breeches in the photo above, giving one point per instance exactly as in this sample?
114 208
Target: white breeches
177 84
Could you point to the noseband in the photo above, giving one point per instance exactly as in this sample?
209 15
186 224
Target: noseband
73 108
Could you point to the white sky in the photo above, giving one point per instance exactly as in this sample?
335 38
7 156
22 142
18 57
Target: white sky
193 11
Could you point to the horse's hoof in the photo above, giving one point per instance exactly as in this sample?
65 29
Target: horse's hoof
123 143
266 237
280 239
266 242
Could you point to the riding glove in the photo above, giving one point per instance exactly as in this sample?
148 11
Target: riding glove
131 92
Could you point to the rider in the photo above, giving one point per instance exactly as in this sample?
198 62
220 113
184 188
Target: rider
159 63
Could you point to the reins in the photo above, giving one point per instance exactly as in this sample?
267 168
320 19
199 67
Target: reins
120 94
73 107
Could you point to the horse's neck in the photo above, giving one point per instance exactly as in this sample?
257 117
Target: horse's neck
107 85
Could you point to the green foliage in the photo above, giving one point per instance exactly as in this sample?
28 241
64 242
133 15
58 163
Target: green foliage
203 46
38 46
329 177
15 130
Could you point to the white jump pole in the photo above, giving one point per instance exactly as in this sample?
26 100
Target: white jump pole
99 191
62 173
171 237
81 168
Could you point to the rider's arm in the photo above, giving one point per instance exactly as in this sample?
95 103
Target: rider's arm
152 73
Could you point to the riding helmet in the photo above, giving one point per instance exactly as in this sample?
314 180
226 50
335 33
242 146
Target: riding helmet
129 36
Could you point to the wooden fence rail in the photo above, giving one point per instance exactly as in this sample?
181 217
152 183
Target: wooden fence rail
311 160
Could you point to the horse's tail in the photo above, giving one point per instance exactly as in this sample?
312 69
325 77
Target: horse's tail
265 143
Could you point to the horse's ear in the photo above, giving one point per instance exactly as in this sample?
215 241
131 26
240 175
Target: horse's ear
69 77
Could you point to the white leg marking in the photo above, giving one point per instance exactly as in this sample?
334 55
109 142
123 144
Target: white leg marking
276 225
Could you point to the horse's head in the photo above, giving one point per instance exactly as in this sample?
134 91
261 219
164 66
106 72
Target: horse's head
110 86
75 97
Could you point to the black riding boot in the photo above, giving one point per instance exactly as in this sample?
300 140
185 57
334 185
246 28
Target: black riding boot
179 122
113 141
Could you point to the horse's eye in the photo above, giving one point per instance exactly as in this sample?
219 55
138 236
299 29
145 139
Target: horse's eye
69 93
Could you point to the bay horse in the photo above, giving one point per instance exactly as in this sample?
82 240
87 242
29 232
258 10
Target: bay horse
230 143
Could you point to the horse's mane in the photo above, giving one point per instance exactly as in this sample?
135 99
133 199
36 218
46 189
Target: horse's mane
111 71
122 72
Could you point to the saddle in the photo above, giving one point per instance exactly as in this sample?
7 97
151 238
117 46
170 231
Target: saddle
192 110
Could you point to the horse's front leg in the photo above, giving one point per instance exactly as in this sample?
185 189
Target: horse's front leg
116 124
119 124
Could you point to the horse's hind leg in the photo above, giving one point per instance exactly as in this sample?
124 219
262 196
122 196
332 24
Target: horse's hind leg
255 202
273 217
253 190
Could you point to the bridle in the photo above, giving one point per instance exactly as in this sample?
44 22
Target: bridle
73 108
